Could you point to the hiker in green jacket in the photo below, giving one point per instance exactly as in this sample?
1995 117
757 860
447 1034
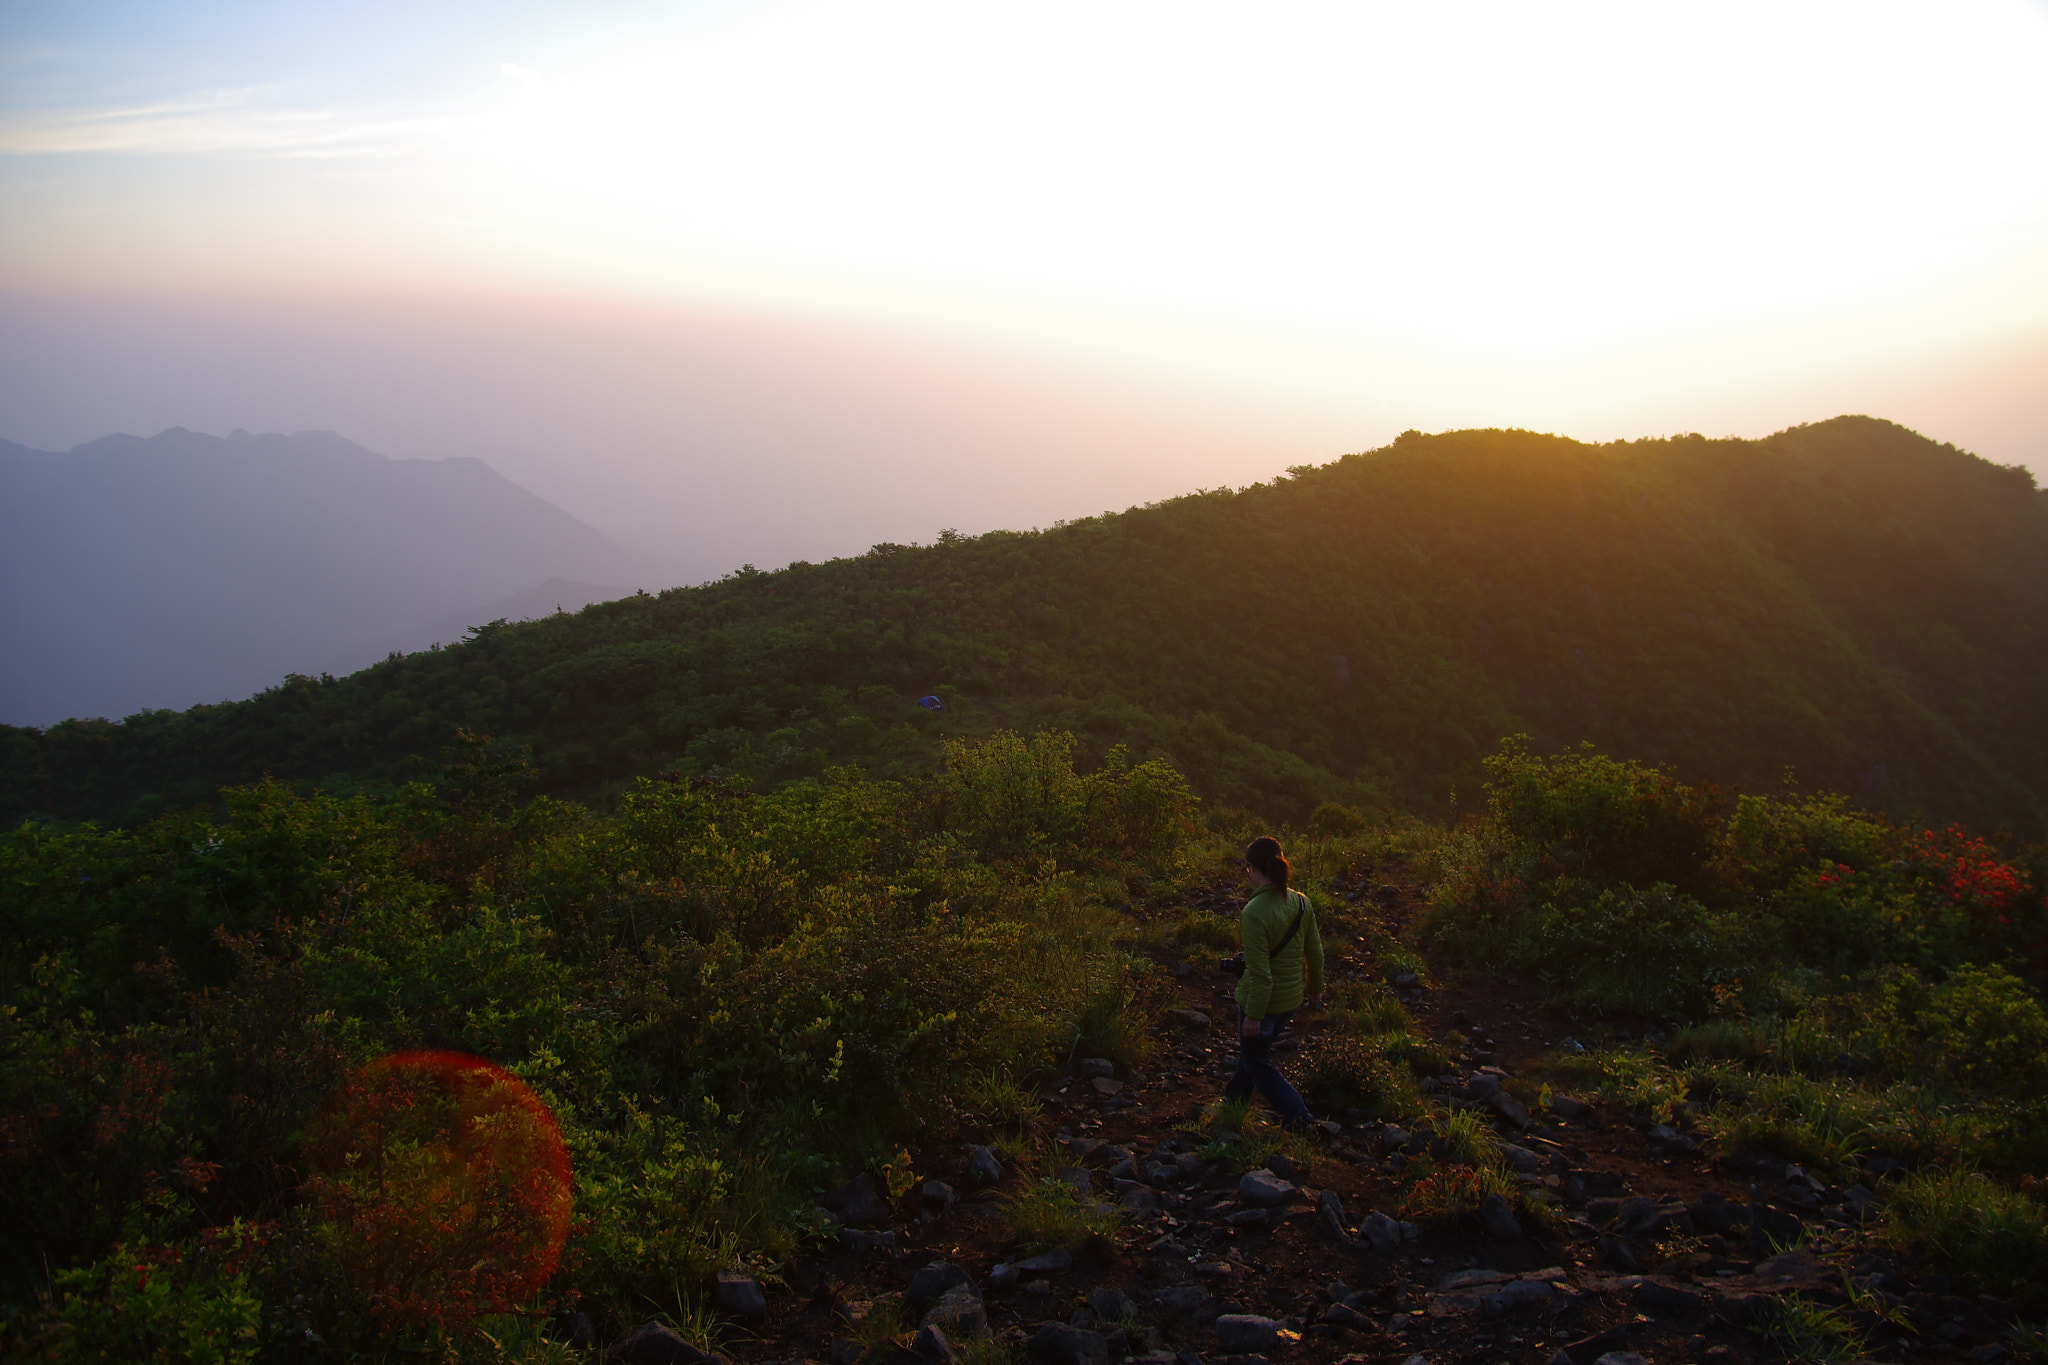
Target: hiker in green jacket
1283 966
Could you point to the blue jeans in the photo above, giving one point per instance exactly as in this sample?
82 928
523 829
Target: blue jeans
1255 1071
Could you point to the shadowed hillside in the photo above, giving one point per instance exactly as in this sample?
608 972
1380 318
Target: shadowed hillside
1847 599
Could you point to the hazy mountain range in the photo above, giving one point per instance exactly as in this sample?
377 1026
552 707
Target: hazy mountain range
140 573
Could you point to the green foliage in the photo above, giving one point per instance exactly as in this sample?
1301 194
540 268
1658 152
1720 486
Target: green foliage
1045 1215
1995 1235
1343 1069
145 1302
1628 890
1806 1331
722 996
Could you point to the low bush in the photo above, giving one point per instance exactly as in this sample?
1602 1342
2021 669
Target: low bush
1047 1215
722 998
1992 1233
1343 1069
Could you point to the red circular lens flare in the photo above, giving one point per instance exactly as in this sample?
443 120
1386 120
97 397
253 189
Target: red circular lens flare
443 1184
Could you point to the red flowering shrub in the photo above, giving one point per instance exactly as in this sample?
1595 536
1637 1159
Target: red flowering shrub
444 1186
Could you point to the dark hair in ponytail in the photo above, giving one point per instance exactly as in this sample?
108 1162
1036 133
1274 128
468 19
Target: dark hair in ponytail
1264 854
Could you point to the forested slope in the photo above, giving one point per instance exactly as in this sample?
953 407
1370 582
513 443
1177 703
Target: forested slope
1845 599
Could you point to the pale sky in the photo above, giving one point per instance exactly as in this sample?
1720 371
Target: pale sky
853 264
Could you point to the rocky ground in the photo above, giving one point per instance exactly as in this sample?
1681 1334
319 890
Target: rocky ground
1658 1251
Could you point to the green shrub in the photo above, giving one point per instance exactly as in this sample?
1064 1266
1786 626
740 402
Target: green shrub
1979 1031
1366 1007
1341 1069
147 1302
1979 1228
1601 818
1332 821
1655 952
1806 1331
1046 1215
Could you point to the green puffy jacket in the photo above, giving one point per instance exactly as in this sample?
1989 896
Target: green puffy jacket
1273 982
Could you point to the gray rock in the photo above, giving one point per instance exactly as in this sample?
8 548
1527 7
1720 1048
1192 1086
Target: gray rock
1411 1232
1715 1214
1655 1297
1264 1190
1095 1066
1382 1233
1163 1173
1513 1110
1003 1276
860 1240
1640 1216
1058 1344
657 1345
959 1309
1512 1296
739 1295
1499 1219
1671 1140
1466 1279
1621 1358
1250 1218
1521 1160
1286 1168
1343 1315
1182 1298
983 1166
1106 1085
933 1345
1077 1178
1483 1087
935 1279
1139 1198
1189 1018
1243 1334
1055 1262
1417 1359
1565 1107
938 1191
1112 1305
1330 1207
858 1202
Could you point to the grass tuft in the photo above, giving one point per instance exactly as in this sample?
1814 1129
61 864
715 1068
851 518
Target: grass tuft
1807 1331
1045 1215
1993 1234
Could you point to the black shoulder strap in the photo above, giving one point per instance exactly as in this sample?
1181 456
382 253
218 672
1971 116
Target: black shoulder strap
1293 928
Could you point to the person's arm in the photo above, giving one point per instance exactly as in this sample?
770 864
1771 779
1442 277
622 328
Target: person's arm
1312 949
1258 966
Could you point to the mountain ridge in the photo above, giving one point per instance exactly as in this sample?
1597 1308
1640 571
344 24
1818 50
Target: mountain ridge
1846 598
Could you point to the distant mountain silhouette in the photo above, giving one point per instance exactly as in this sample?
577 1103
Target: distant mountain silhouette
181 568
557 594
